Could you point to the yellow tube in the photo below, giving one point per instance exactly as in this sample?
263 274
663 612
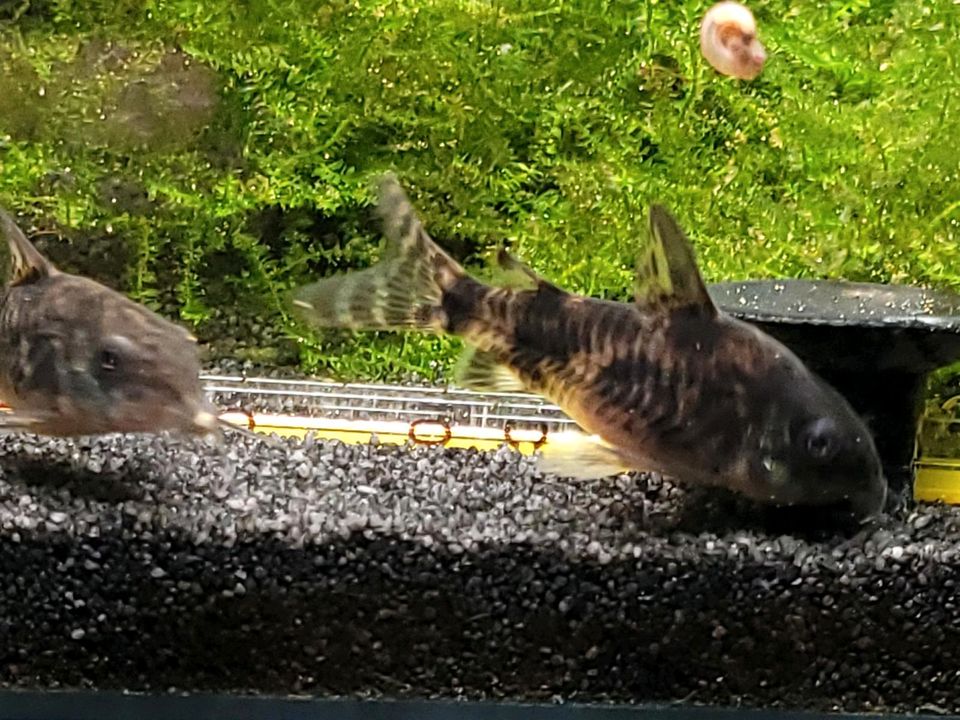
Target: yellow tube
423 432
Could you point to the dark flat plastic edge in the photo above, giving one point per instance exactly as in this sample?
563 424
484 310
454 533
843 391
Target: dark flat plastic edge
940 311
89 705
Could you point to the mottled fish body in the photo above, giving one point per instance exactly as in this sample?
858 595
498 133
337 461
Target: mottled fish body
77 358
667 383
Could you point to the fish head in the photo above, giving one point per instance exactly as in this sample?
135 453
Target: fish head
766 424
814 449
78 358
143 373
87 360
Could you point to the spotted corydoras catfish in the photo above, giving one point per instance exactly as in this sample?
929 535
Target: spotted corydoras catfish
77 358
667 383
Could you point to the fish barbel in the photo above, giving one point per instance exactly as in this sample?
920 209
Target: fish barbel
667 383
77 358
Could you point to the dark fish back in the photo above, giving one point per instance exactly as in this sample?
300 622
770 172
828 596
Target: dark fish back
670 377
551 339
684 387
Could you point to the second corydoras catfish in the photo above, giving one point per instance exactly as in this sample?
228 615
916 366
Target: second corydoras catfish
77 358
668 383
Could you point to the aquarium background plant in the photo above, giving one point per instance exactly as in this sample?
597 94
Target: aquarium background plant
205 157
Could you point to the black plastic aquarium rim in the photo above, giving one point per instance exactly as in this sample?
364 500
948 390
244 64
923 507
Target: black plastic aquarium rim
89 705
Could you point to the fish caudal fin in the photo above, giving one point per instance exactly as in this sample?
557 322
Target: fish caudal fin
404 290
582 457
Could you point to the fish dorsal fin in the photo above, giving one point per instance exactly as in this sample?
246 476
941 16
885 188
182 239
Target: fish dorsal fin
667 273
482 371
518 274
27 264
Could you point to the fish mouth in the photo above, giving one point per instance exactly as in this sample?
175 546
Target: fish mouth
205 420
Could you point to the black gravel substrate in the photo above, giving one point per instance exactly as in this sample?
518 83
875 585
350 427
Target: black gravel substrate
112 705
107 705
320 568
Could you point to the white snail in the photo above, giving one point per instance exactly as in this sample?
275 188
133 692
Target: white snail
728 40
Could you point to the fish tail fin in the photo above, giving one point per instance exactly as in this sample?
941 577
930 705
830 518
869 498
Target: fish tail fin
404 290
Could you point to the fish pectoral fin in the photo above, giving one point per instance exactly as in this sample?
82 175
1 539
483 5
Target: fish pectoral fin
667 274
482 371
586 457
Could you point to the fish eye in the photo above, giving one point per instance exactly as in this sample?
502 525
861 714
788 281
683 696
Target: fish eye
112 353
819 439
109 360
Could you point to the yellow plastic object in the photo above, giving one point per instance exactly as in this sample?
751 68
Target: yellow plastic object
936 466
937 479
421 432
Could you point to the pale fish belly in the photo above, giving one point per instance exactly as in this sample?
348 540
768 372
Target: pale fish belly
595 415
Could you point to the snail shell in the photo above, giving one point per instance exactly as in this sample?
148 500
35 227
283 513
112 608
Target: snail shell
728 40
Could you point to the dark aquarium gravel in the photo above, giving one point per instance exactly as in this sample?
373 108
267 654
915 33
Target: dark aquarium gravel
309 567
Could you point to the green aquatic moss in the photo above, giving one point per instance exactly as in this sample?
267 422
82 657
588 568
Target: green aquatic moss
205 157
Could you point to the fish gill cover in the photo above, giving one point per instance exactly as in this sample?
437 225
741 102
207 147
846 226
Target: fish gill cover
207 157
